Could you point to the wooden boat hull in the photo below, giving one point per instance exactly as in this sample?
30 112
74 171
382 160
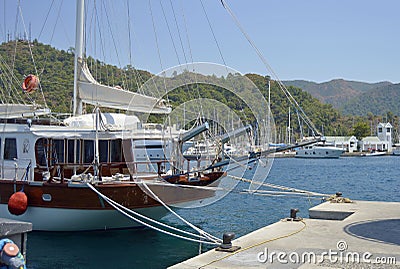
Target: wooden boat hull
75 207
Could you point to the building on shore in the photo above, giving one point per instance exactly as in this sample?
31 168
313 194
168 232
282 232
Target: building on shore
347 143
381 142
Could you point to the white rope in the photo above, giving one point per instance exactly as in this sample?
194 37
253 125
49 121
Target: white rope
118 207
33 59
280 187
276 193
200 231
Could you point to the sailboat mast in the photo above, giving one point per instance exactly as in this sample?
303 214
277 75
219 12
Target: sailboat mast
289 130
80 7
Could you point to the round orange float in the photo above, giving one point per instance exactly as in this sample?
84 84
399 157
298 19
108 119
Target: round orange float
18 203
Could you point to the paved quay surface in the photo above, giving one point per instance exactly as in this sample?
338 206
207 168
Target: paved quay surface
362 234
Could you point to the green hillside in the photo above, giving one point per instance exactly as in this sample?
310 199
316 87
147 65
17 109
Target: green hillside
336 92
55 70
378 101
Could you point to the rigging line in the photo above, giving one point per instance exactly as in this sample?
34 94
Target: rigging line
45 20
170 33
217 44
179 33
187 33
200 231
300 125
10 78
129 33
33 59
213 34
15 50
138 80
190 53
274 186
102 46
173 43
119 208
281 193
158 49
262 58
130 47
5 26
113 39
7 79
52 35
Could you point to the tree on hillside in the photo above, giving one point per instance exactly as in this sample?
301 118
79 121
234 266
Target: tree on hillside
361 129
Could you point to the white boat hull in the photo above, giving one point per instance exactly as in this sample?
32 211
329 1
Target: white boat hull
319 153
60 219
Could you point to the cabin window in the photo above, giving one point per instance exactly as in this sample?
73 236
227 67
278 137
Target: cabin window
103 151
41 152
10 149
58 151
388 130
116 150
88 151
72 152
380 130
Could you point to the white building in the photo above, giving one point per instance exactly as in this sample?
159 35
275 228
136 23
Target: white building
381 142
347 143
384 131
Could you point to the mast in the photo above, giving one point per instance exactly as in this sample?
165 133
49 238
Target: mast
289 138
269 136
80 7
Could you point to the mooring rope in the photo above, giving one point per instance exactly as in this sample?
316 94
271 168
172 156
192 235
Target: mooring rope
118 207
274 186
197 229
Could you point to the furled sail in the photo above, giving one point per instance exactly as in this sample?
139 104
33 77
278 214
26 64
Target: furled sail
92 92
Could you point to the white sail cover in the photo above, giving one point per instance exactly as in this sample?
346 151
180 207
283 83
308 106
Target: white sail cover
13 111
92 92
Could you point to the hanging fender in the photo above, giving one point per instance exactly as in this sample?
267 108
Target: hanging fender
18 203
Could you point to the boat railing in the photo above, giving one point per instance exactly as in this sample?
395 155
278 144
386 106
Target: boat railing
58 170
16 169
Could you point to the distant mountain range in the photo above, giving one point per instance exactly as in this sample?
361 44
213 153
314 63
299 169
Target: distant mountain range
354 97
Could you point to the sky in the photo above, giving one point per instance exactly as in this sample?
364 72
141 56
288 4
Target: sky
314 40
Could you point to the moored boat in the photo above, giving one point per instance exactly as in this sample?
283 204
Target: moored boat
319 151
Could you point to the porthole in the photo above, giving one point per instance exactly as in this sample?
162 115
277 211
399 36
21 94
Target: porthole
46 197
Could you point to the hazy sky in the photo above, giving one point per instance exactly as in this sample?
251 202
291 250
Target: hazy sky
316 40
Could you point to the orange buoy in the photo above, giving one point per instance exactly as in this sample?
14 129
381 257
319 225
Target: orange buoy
18 203
31 83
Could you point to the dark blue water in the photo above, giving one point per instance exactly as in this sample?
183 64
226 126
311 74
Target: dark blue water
375 178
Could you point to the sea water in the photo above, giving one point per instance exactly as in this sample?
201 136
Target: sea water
368 178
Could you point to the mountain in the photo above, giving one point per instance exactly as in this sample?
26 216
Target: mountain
378 101
336 92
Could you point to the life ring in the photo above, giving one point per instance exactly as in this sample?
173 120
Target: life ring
18 203
31 83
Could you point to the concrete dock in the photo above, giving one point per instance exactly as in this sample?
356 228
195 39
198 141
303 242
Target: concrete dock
362 234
